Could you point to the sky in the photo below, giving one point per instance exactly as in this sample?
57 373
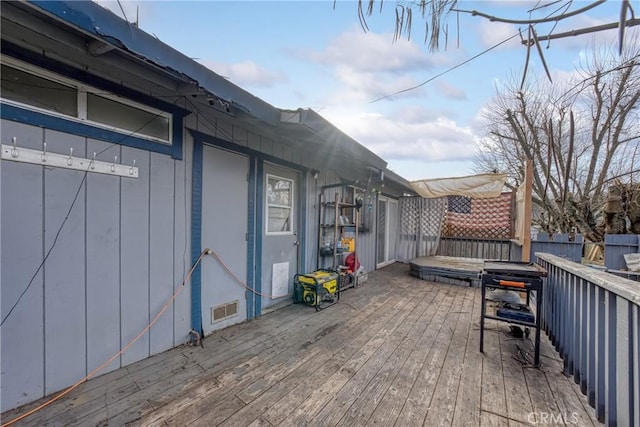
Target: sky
314 54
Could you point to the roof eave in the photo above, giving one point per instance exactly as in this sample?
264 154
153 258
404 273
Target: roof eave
102 24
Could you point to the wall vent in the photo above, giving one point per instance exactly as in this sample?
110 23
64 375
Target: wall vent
223 311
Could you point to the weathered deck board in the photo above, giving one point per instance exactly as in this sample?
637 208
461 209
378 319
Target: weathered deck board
248 372
295 397
467 412
328 387
515 385
397 351
369 400
443 403
392 403
417 404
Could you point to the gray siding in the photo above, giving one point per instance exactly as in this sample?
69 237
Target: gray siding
102 266
64 271
110 272
22 250
161 217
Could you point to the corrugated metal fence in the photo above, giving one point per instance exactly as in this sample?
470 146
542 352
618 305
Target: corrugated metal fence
593 320
615 247
562 245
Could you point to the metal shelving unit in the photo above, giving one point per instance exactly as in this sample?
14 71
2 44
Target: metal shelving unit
335 218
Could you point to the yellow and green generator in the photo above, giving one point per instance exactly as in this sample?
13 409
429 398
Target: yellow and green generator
317 289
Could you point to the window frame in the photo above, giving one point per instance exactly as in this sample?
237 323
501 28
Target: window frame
268 205
82 89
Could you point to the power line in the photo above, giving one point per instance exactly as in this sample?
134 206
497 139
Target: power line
448 70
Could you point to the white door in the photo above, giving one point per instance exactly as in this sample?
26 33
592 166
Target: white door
386 231
280 233
225 195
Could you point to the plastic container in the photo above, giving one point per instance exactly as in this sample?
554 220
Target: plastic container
349 244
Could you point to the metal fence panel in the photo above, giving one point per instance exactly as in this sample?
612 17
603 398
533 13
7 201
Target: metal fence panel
592 319
615 246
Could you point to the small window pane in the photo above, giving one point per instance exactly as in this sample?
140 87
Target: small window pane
127 117
28 89
279 220
279 192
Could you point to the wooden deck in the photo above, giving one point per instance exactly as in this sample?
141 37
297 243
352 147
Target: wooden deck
395 351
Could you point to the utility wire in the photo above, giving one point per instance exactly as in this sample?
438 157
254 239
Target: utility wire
548 18
447 70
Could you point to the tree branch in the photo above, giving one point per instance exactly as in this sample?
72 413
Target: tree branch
532 21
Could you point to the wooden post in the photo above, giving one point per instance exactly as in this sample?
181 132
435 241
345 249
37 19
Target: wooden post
528 205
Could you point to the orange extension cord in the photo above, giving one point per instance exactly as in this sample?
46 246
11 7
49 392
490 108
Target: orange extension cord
125 348
206 251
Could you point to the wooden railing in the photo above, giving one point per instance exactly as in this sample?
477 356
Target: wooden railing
593 320
466 247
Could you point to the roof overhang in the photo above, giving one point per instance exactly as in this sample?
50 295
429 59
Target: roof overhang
309 130
112 32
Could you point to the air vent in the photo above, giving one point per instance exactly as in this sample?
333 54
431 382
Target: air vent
223 311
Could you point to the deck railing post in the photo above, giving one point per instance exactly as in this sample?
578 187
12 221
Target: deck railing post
591 346
581 373
623 354
600 353
610 360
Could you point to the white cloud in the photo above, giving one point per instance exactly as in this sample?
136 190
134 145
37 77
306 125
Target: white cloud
493 33
393 137
358 87
368 66
246 73
373 52
450 91
417 114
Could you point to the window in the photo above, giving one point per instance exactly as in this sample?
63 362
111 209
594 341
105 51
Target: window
42 93
41 90
119 115
279 205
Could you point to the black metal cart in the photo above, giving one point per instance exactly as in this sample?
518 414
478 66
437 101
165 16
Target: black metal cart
520 277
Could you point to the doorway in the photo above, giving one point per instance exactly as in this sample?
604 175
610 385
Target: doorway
386 231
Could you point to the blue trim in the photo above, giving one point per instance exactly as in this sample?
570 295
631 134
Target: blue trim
35 118
28 116
217 142
196 237
256 207
259 233
251 236
302 228
176 137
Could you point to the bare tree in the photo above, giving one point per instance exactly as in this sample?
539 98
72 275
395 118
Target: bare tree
435 15
581 138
